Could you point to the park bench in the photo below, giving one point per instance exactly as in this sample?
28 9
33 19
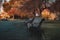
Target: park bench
34 25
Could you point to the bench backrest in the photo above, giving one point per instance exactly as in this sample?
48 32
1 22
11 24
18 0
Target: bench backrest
36 21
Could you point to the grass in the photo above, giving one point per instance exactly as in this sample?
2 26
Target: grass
17 30
52 30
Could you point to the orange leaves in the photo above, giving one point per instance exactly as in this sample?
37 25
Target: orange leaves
52 16
48 15
4 15
45 13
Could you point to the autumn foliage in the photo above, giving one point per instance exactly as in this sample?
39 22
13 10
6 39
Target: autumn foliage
16 7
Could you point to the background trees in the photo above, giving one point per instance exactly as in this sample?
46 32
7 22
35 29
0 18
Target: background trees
25 8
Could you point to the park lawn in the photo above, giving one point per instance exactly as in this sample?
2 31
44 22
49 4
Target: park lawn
18 30
51 30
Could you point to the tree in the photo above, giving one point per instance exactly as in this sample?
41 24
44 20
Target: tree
22 7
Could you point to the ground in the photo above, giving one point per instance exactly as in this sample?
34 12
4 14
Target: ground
17 30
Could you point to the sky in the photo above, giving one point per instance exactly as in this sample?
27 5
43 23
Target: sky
52 0
7 0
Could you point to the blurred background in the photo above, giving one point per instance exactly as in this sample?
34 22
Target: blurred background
13 14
